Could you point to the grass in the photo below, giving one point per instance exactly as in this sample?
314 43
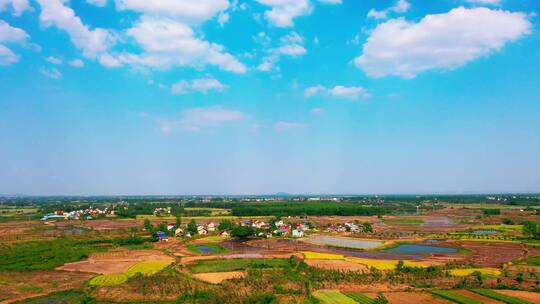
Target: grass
213 211
29 289
213 238
108 279
503 228
499 296
332 297
358 297
454 297
403 221
486 272
64 297
213 247
236 264
532 261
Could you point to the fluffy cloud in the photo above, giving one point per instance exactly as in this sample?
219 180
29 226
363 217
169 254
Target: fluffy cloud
198 119
54 60
283 12
191 11
76 63
10 35
182 48
51 73
284 125
443 41
485 2
330 1
339 91
93 43
202 85
18 6
401 7
291 45
99 3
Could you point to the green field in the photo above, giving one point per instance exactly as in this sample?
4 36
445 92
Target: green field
499 296
63 297
213 248
332 297
108 279
454 297
147 267
533 261
358 297
236 264
403 221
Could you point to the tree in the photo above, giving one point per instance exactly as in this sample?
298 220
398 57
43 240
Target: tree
508 221
192 227
367 227
178 222
531 230
147 225
399 266
162 227
226 225
242 231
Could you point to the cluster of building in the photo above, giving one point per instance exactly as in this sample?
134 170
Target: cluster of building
346 227
88 214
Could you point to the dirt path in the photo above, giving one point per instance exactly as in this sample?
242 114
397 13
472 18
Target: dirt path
475 296
525 295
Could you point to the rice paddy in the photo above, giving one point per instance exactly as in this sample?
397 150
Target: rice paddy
500 297
455 297
332 297
144 268
108 279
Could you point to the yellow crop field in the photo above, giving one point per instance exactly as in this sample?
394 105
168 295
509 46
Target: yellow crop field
108 279
322 256
468 271
383 264
147 267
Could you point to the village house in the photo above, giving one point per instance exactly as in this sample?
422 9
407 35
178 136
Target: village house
201 230
162 237
211 227
297 233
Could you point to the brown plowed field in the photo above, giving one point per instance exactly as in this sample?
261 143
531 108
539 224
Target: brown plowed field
218 277
413 298
525 295
336 265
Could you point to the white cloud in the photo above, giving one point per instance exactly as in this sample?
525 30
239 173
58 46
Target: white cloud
284 125
10 35
198 119
191 11
223 18
485 2
330 1
443 41
202 85
18 6
51 73
291 45
314 90
400 7
98 3
76 63
93 43
317 111
348 92
182 48
339 91
54 60
283 12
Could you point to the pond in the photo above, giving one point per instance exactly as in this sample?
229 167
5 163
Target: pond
417 249
484 232
344 242
205 249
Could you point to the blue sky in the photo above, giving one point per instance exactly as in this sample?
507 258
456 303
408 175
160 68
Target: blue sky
266 96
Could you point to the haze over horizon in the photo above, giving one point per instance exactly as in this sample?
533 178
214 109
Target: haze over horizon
133 97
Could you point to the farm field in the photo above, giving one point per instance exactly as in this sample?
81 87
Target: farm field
100 259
